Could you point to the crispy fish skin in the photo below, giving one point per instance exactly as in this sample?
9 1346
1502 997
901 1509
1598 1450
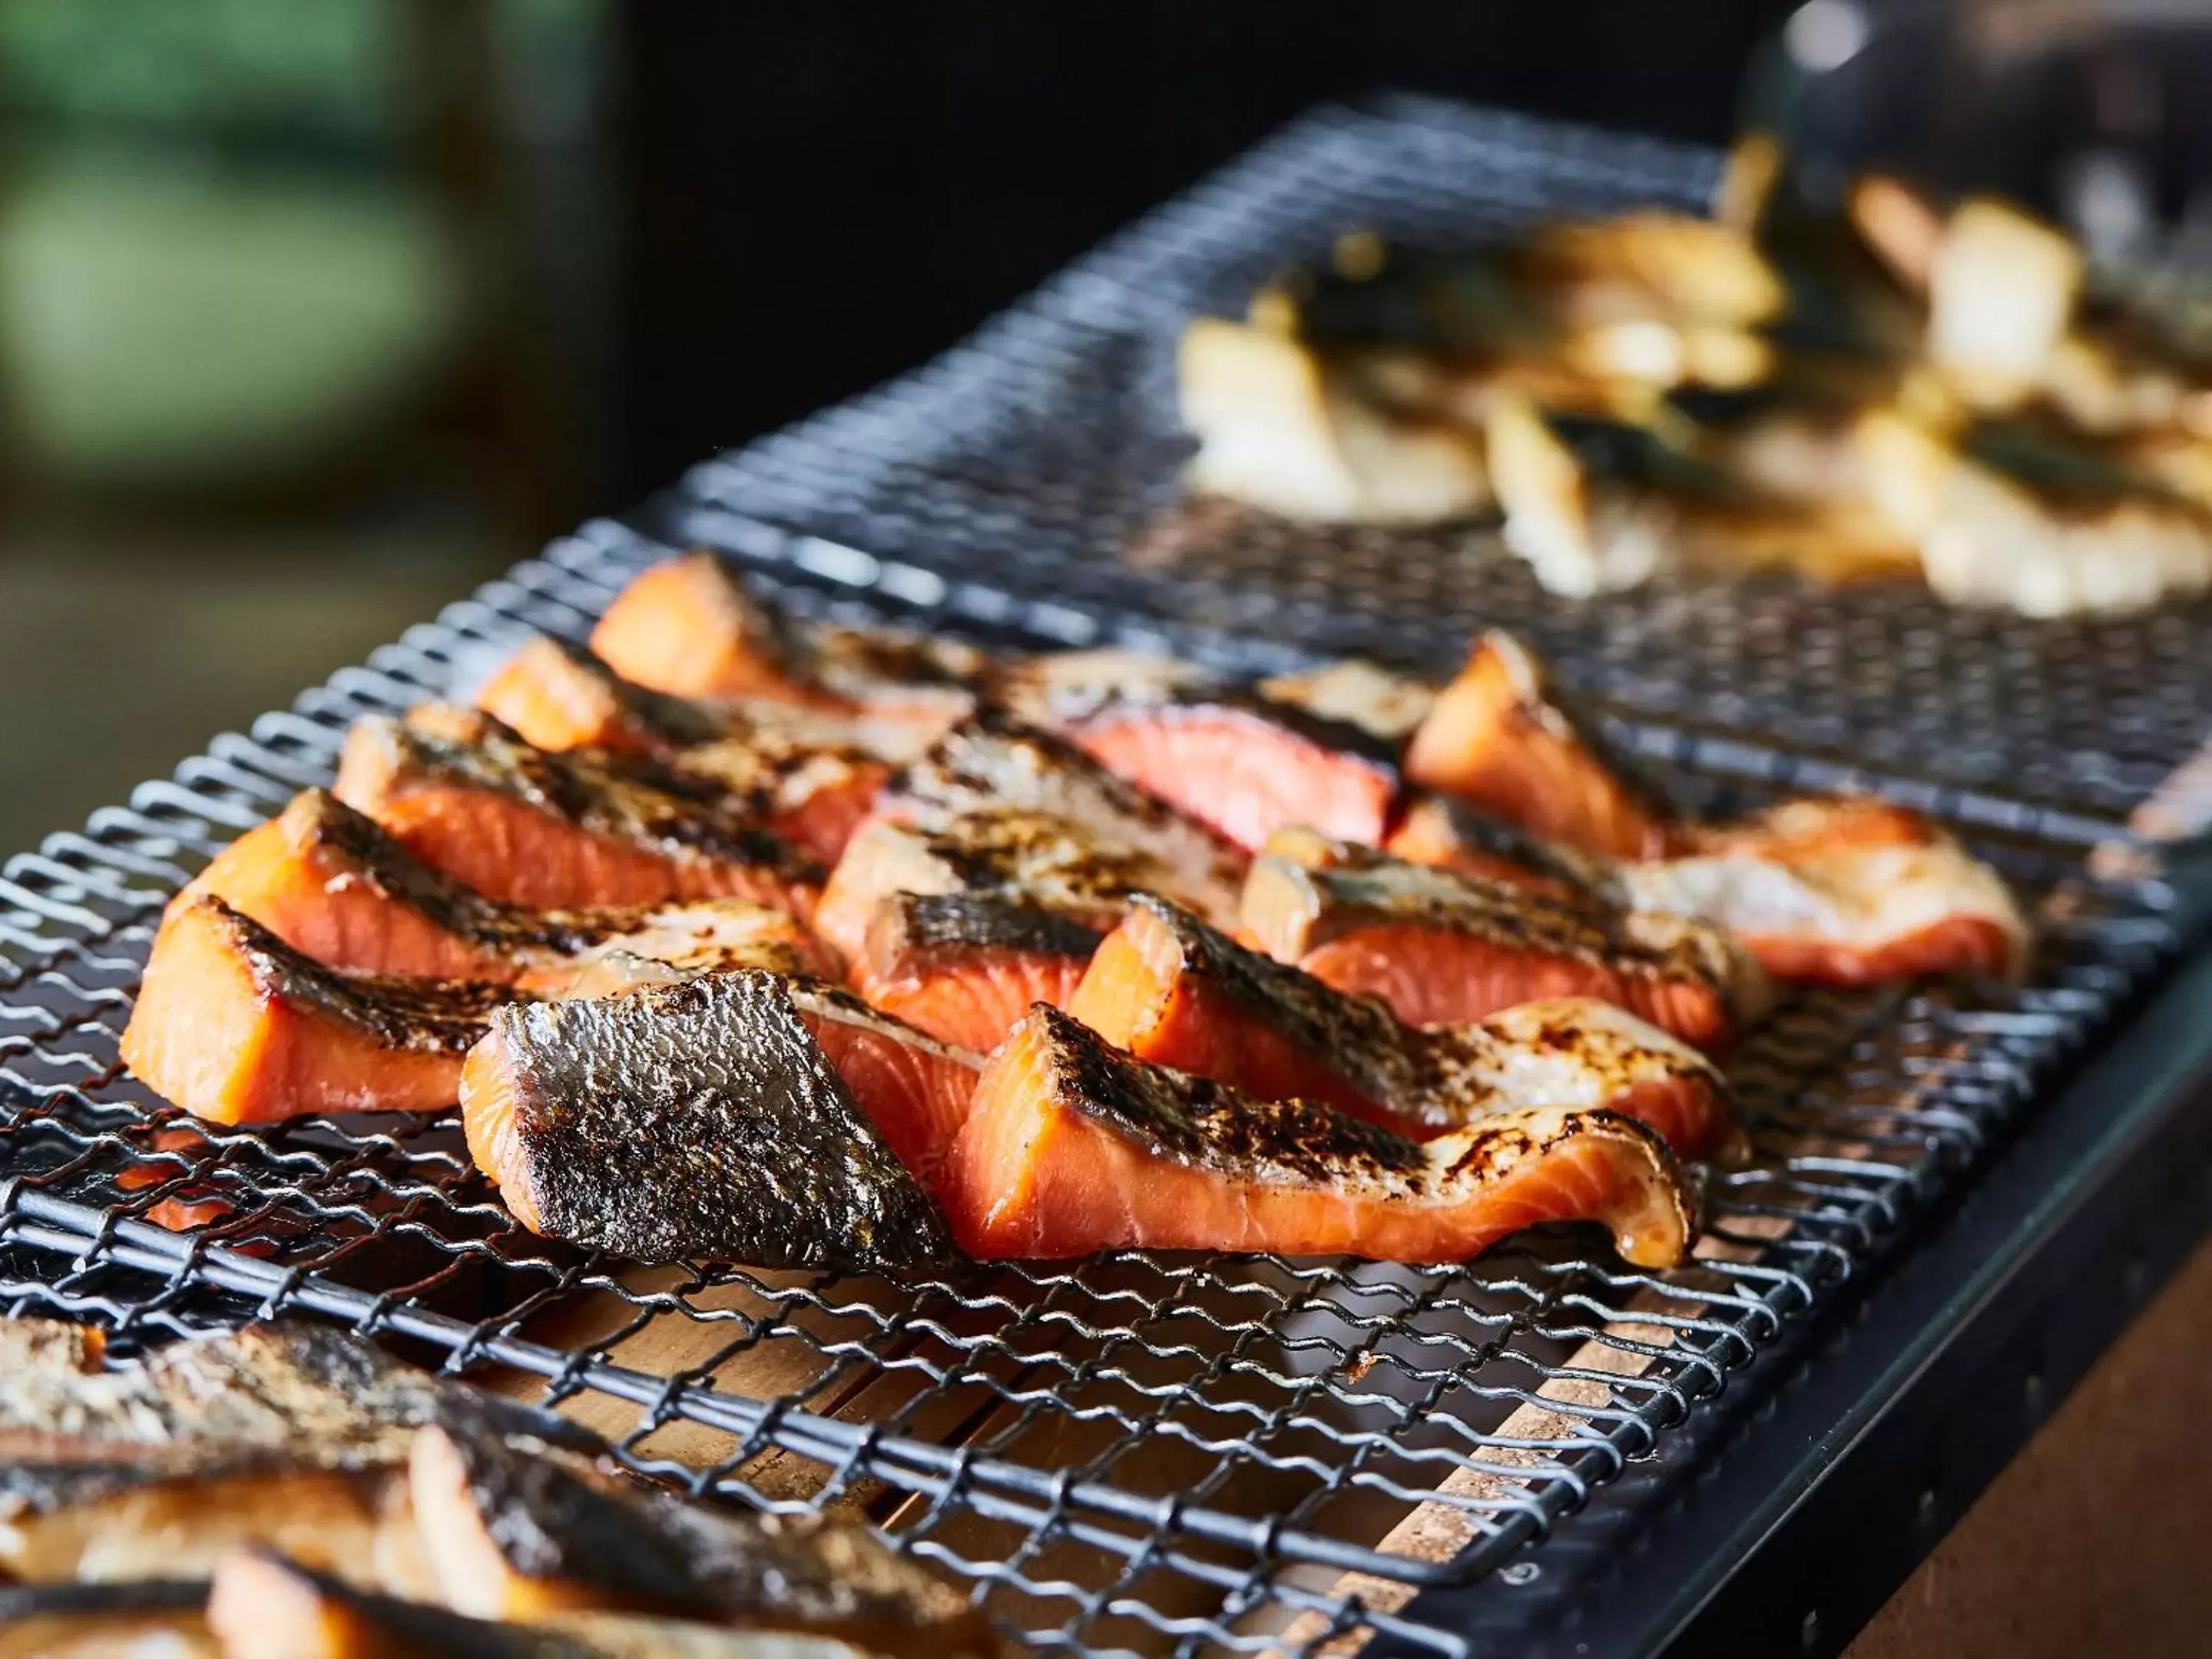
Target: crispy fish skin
703 1119
235 1026
965 967
1237 760
1500 737
993 760
1073 1147
1169 989
525 827
287 1434
1444 947
155 1618
523 1537
1037 861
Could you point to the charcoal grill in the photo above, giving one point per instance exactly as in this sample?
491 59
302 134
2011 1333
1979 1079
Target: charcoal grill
1182 1454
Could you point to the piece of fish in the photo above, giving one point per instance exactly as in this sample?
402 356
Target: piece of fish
1501 738
1451 834
1441 947
530 1538
554 694
235 1026
143 1619
688 626
330 882
748 1117
1169 989
1841 893
995 761
1073 1147
1035 860
524 826
965 967
1235 759
267 1605
293 1435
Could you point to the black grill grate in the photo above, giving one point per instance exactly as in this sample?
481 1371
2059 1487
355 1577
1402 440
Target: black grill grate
1043 454
1140 1452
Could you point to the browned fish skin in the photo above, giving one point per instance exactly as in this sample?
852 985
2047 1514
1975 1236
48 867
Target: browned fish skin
913 925
624 798
265 1398
993 761
701 1120
555 1525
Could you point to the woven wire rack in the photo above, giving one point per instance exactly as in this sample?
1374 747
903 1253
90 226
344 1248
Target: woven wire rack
1135 1453
1043 455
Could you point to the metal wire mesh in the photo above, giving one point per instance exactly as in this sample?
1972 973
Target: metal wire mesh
1137 1452
1043 455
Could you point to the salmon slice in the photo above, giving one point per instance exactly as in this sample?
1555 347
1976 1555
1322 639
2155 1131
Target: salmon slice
1237 761
554 695
1442 948
329 882
522 826
1453 835
1843 892
993 761
688 626
1500 737
234 1025
1072 1147
1169 989
748 1117
1030 861
965 968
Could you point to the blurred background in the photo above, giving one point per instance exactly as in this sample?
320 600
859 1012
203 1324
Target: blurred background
315 313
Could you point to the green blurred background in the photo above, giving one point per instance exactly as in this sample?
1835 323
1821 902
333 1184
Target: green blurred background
303 322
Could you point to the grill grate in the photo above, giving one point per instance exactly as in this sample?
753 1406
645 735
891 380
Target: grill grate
1136 1453
1043 454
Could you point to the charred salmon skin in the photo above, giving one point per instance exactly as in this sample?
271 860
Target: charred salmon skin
556 695
1442 948
688 626
523 826
1453 835
1169 989
331 883
532 1538
235 1026
1033 860
747 1117
293 1435
965 967
1237 761
995 761
1073 1147
1842 892
1500 737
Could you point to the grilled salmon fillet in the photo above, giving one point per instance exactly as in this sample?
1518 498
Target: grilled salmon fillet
1500 737
993 761
523 826
1169 989
1441 947
1237 760
1072 1147
235 1026
556 695
688 626
331 883
965 967
750 1116
1841 893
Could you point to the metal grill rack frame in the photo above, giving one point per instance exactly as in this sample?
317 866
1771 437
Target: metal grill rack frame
1182 1384
1042 455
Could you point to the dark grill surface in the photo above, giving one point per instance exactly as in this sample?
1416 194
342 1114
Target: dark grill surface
1136 1452
1043 456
